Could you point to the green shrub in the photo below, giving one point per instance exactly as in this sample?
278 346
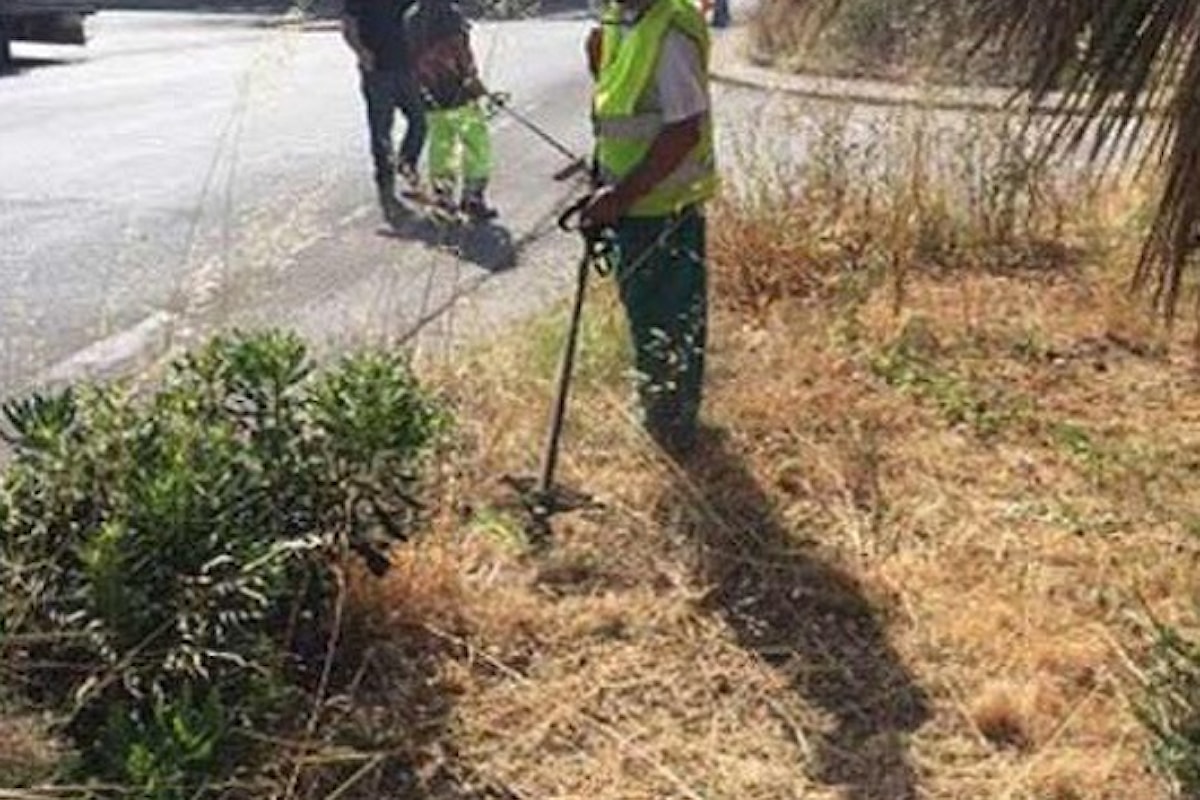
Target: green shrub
168 563
1170 708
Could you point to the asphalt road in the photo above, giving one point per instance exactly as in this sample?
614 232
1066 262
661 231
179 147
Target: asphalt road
185 173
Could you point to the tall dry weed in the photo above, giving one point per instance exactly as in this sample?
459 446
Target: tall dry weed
903 40
858 203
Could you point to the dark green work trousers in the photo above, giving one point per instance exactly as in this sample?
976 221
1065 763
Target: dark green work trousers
660 269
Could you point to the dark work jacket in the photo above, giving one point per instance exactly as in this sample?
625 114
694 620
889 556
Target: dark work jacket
441 54
381 26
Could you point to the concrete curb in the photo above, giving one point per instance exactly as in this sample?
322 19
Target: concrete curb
302 23
732 65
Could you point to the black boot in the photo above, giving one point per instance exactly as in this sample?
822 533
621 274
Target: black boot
392 208
443 200
409 174
474 205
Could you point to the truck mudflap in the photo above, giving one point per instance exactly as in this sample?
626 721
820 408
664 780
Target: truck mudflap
50 21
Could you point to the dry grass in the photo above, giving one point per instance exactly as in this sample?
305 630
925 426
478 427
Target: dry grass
27 751
849 596
894 40
906 564
946 467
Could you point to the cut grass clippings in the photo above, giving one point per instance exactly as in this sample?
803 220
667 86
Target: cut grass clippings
908 562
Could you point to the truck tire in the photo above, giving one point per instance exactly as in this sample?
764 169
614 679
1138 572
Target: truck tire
5 50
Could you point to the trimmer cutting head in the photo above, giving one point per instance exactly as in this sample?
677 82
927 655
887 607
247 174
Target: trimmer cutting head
541 505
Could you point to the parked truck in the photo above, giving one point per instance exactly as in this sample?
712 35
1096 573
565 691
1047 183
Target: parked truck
52 21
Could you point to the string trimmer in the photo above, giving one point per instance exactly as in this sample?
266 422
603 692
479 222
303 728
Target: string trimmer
578 166
541 497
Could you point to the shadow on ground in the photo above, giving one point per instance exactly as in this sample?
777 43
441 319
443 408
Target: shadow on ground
808 619
486 245
20 64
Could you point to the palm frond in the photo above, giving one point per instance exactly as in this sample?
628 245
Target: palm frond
1126 75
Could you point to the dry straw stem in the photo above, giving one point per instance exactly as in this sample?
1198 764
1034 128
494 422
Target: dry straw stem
55 792
319 697
956 498
608 731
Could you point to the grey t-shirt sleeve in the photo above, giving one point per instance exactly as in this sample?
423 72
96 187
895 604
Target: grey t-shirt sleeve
680 79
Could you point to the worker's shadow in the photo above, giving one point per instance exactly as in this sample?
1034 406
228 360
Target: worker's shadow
484 244
809 620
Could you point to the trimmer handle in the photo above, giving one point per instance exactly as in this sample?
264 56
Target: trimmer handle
571 220
576 167
598 239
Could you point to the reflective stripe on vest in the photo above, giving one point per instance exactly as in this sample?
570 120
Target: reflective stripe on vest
685 176
624 124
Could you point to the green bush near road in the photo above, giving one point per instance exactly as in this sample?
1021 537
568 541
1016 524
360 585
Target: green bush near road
1170 708
170 565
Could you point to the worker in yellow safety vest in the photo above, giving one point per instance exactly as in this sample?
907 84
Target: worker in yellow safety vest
652 114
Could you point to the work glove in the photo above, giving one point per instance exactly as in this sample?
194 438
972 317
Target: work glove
475 87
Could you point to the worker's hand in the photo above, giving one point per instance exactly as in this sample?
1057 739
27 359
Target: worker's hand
492 102
366 60
603 210
475 88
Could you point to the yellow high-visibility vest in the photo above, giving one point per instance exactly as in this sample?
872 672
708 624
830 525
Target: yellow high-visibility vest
626 121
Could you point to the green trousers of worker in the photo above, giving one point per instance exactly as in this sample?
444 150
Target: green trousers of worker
660 269
459 144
